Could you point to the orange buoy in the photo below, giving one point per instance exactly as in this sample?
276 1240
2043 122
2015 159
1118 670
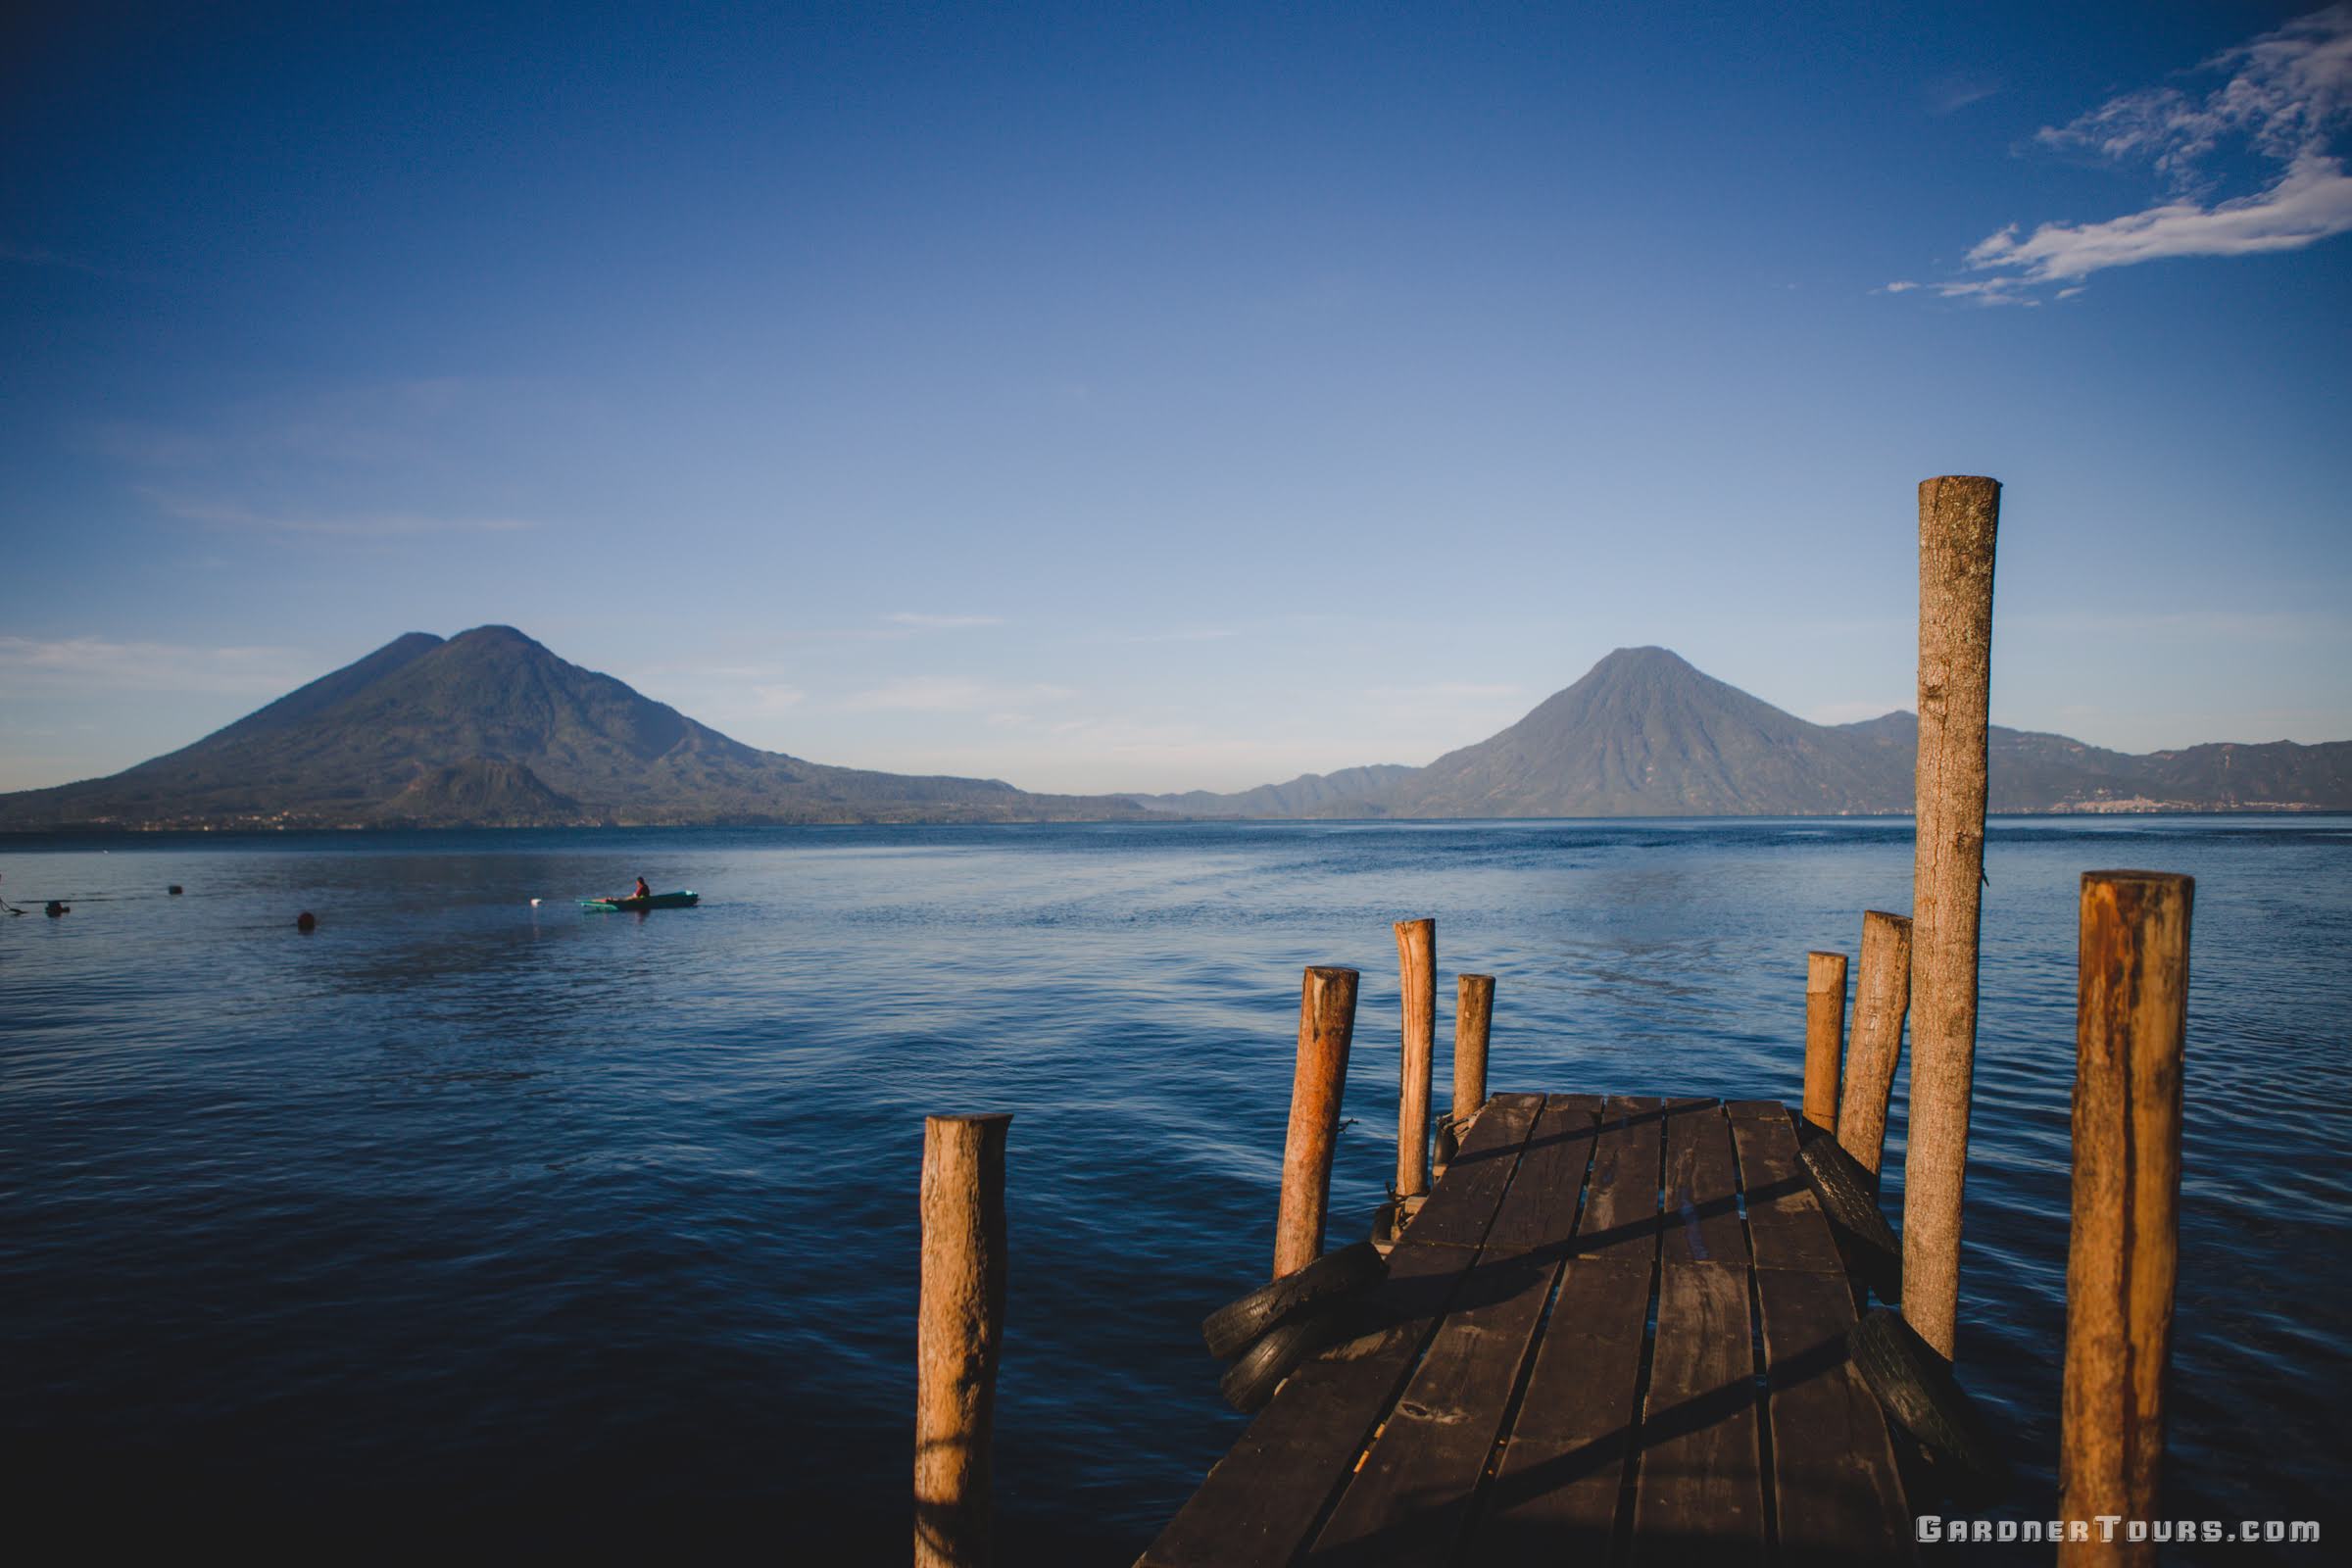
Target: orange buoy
306 922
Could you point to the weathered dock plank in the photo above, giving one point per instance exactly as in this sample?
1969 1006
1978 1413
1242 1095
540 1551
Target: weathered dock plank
1702 1189
1700 1494
1832 1461
1461 1209
1785 1219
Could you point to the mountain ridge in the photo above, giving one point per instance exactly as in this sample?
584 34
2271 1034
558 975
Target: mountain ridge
1645 733
490 728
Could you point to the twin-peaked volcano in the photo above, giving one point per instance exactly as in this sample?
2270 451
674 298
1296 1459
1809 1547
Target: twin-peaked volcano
489 728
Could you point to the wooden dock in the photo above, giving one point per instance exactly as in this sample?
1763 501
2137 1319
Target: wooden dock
1614 1333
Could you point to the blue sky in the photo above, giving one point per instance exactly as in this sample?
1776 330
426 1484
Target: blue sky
1135 397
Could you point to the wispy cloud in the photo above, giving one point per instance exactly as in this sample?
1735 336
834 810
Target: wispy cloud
32 665
950 694
2285 97
363 525
924 622
1951 95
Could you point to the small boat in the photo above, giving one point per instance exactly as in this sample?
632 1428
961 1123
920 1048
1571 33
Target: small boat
655 900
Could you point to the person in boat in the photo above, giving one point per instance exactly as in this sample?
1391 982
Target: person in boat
643 892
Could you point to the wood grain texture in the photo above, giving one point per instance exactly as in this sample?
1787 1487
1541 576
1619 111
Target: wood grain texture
960 1331
1958 520
1417 978
1326 1029
1837 1495
1700 1496
1825 1036
2122 1256
1882 1002
1473 1021
1786 1226
1701 1190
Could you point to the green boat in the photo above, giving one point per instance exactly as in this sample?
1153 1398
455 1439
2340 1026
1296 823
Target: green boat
657 901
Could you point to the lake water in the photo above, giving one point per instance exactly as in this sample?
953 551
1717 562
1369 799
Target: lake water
525 1225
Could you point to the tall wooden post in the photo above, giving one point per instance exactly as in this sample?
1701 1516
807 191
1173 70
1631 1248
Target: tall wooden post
1958 518
1326 1028
1473 1017
1417 974
1825 1036
959 1327
2122 1258
1882 1001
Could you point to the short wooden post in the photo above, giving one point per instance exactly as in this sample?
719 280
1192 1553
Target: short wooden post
1326 1028
1473 1017
1825 1036
1958 518
1417 975
2122 1258
1882 1001
959 1327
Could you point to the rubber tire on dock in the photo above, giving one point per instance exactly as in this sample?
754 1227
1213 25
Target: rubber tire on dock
1229 1330
1250 1381
1863 1234
1920 1394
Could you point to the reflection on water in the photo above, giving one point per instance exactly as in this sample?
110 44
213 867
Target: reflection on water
555 1226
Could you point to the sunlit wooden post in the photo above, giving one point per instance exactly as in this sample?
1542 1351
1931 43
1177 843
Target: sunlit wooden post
1473 1018
1825 1036
1417 974
1326 1028
1958 518
959 1328
2123 1255
1881 999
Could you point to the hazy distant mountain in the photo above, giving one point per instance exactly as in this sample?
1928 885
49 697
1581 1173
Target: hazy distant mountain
1644 734
491 729
1350 792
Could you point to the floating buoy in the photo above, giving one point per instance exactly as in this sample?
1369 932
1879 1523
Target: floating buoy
173 890
56 909
306 922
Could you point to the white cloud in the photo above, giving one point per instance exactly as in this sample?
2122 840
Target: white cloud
2286 98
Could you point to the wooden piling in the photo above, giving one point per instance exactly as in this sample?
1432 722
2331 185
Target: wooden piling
1326 1028
959 1328
1825 1036
1882 1001
1417 975
2122 1258
1958 518
1473 1018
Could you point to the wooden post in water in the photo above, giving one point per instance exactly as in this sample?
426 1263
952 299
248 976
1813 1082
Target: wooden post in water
1825 1036
959 1327
2123 1258
1417 974
1881 999
1473 1018
1326 1028
1958 518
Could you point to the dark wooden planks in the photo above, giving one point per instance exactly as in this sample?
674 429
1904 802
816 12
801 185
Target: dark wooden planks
1540 1210
1460 1211
1553 1498
1259 1502
1838 1496
1702 1215
1410 1500
1785 1222
1619 1218
1700 1498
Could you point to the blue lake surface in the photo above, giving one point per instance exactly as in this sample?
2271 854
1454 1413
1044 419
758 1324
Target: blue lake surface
463 1217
